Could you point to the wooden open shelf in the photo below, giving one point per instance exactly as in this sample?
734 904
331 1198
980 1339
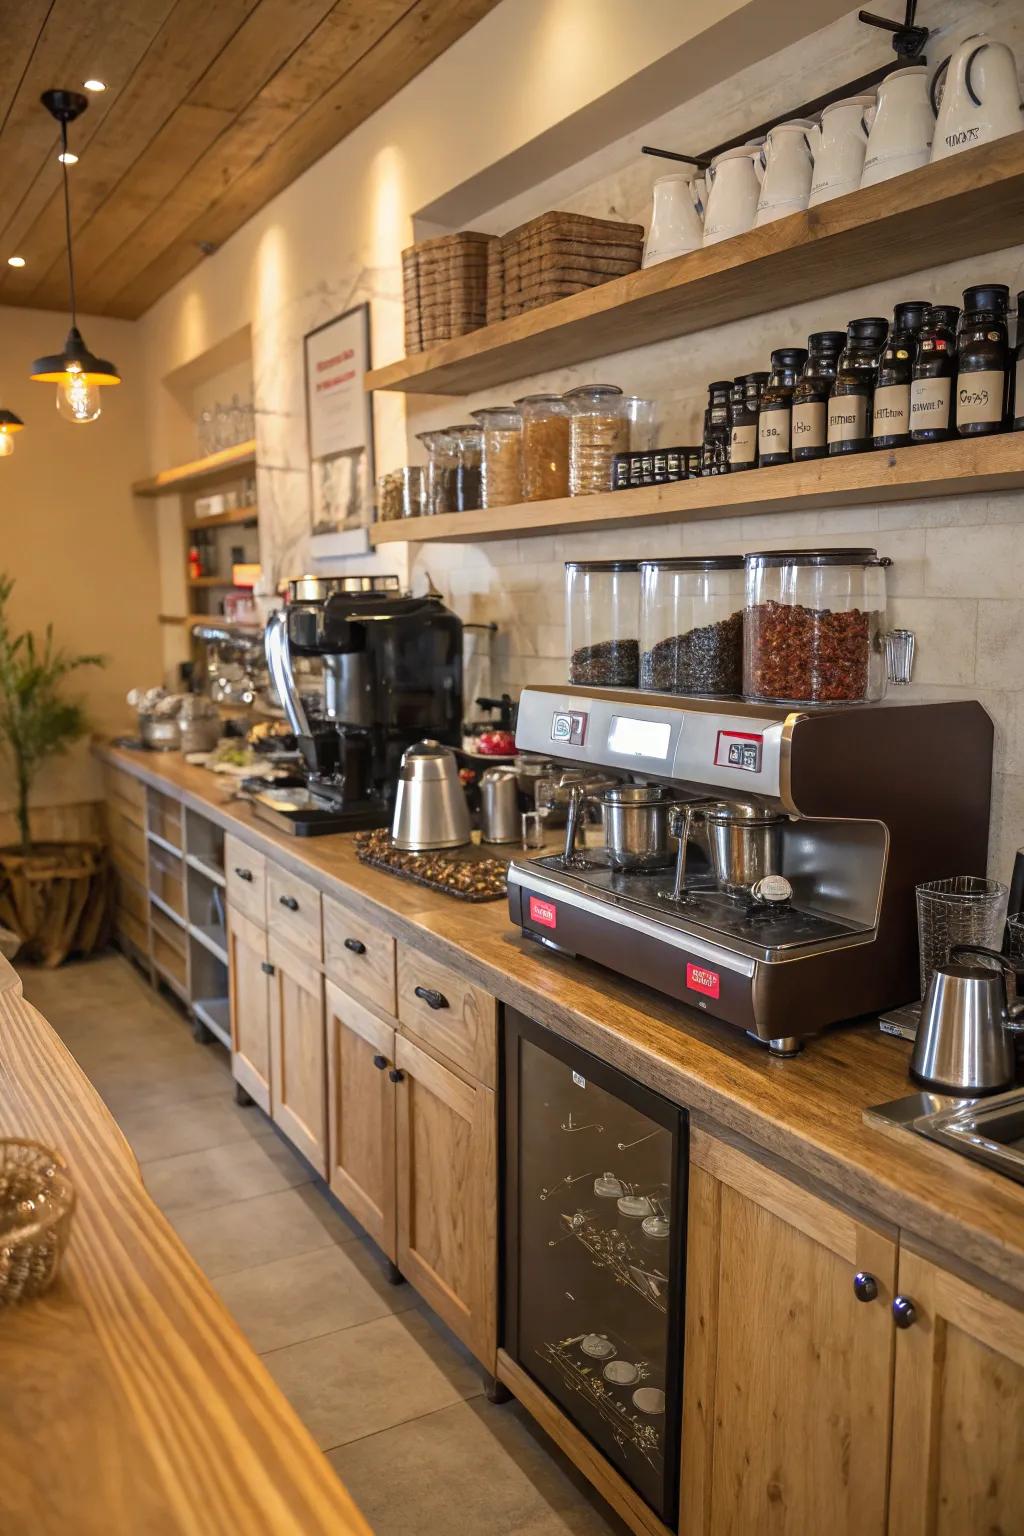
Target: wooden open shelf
211 581
963 206
186 477
958 468
222 519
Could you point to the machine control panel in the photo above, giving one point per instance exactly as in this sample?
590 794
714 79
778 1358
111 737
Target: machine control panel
739 749
569 727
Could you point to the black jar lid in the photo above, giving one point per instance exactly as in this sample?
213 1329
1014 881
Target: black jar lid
766 557
826 341
602 565
719 387
945 315
909 316
995 296
760 379
788 357
869 328
695 563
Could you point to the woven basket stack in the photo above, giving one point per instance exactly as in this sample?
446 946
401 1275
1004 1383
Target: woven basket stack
445 288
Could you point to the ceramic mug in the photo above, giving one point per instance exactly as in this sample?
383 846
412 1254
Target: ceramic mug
900 136
734 182
788 170
839 144
677 217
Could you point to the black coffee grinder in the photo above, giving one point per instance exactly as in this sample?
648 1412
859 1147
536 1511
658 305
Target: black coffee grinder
390 675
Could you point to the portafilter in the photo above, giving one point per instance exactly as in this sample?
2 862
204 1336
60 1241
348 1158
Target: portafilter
430 804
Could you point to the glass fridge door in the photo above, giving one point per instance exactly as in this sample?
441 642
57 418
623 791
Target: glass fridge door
595 1183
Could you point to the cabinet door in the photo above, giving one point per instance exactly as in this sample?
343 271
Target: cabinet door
787 1375
361 1115
249 990
298 1075
447 1195
958 1428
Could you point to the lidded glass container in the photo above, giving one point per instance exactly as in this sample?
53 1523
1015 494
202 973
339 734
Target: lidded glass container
439 473
744 405
598 430
891 405
810 397
602 614
500 478
714 453
544 447
774 421
813 625
849 406
931 389
691 625
983 361
468 440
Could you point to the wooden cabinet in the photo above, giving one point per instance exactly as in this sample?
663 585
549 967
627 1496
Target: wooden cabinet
448 1014
358 956
787 1379
249 983
361 1115
958 1429
293 912
448 1195
245 873
298 1075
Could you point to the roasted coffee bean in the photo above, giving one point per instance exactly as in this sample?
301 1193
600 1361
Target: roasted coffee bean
609 664
808 653
704 660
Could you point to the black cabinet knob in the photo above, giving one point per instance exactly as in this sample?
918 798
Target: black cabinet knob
395 1075
289 902
432 998
266 968
244 874
356 946
380 1062
865 1286
904 1312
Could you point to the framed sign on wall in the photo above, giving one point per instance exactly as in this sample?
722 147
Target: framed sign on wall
339 421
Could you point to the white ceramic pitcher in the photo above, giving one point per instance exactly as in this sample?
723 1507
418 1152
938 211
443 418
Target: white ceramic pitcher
677 217
976 95
788 170
900 137
839 146
734 181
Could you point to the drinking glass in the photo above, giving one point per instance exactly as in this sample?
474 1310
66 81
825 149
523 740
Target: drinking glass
1015 936
965 909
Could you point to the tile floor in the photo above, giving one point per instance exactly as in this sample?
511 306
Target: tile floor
394 1401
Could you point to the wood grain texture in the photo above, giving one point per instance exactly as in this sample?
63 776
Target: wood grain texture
198 472
293 913
298 1056
361 1116
465 1030
368 972
131 1401
969 466
249 1001
245 875
808 1112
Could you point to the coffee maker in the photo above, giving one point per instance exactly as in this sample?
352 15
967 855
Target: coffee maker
796 908
386 672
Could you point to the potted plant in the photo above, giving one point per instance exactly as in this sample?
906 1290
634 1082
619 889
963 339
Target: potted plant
55 897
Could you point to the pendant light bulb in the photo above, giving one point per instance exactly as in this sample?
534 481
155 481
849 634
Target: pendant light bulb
6 444
9 424
78 400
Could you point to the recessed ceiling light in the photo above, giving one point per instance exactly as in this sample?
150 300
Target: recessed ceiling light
15 261
67 158
94 85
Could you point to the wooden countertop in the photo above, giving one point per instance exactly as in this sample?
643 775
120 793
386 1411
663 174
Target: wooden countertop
129 1400
807 1111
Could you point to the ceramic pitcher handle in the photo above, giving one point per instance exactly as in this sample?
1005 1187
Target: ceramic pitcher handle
934 90
967 73
759 165
868 118
699 194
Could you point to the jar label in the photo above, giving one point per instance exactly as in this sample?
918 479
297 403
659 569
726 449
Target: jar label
809 424
847 418
929 403
979 396
773 431
892 410
743 445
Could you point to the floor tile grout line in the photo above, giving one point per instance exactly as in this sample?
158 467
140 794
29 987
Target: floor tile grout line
415 1418
328 1333
171 1157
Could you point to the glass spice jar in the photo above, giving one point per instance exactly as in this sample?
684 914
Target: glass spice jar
714 453
983 361
643 424
544 447
1018 372
439 474
500 479
598 430
813 625
931 388
389 496
691 625
890 410
744 403
810 397
468 440
774 420
602 611
849 403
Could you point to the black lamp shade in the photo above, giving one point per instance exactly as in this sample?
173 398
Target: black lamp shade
9 422
77 359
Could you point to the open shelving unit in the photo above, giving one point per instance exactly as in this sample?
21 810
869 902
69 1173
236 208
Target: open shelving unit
224 464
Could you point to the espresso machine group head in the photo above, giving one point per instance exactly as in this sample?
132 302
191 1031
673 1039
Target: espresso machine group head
390 675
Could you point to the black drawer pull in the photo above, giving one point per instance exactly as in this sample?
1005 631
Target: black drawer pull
289 902
243 874
266 968
356 946
396 1076
432 998
380 1062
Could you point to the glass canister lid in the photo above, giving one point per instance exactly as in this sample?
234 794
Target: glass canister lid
597 395
770 557
602 565
694 563
496 416
539 403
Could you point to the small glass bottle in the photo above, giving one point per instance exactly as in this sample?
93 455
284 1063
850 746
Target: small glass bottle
744 404
714 456
810 397
931 390
774 423
1018 380
890 417
849 404
983 361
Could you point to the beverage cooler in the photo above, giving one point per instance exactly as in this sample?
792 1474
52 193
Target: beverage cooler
594 1229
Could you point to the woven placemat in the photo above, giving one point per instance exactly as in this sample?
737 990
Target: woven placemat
468 874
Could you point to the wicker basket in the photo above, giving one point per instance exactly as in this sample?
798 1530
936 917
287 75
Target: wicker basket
36 1202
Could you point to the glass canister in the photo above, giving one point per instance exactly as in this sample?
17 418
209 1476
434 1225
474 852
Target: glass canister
813 625
810 397
744 404
983 361
774 420
468 440
602 613
544 447
598 430
714 451
500 479
890 414
439 474
849 405
931 388
691 625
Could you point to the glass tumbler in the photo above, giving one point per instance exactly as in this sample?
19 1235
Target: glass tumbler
965 909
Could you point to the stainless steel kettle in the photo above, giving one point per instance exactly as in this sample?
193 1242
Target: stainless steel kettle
965 1040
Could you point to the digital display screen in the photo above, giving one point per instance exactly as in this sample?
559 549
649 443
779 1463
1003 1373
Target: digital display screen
640 738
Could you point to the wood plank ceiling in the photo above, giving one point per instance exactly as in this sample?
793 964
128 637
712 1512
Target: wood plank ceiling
212 107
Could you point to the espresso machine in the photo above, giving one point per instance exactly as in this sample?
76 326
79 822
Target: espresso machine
755 861
385 670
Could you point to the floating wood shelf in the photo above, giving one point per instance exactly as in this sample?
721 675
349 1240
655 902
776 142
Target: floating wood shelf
212 581
186 477
963 206
222 519
957 468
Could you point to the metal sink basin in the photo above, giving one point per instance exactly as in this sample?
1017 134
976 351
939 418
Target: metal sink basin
989 1130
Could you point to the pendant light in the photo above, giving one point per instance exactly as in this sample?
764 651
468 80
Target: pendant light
9 424
78 373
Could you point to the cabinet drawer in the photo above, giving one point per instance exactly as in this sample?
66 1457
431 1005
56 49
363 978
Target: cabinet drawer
448 1014
293 912
358 957
245 871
